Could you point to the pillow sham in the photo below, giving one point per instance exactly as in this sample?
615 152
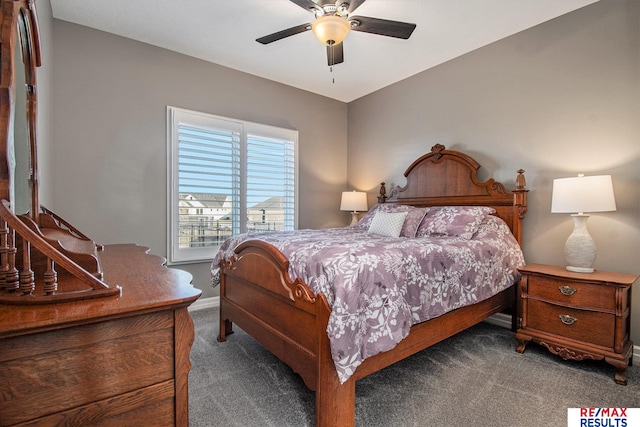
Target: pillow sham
456 221
387 223
412 221
365 221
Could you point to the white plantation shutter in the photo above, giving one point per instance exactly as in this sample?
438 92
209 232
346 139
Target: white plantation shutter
208 163
270 182
226 177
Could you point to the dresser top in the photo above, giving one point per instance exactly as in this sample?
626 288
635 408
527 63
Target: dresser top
146 285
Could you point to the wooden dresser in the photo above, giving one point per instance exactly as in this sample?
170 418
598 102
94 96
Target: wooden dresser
108 361
577 315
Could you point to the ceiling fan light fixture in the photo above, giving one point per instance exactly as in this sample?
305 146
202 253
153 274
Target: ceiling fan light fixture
330 29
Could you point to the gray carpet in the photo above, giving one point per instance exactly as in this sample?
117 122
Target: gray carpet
474 378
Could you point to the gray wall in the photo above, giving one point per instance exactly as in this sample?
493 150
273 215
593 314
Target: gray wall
556 100
45 104
110 158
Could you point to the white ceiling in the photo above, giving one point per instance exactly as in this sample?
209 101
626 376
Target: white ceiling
224 32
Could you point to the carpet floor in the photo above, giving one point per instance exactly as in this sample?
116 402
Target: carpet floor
472 379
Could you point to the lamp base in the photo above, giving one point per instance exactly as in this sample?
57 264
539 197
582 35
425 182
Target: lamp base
354 218
580 249
580 269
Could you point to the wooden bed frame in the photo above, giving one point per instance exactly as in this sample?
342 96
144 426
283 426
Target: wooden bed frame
285 316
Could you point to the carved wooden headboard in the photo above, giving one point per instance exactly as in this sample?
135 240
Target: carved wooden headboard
449 178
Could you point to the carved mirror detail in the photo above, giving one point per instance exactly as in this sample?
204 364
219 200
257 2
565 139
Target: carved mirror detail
43 258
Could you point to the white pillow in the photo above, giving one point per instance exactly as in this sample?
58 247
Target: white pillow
387 223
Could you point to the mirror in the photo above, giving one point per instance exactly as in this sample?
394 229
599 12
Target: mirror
21 194
20 57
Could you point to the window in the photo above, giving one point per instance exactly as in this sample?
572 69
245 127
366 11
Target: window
226 177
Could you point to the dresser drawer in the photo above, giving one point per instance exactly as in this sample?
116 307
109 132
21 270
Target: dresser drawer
53 371
571 293
587 326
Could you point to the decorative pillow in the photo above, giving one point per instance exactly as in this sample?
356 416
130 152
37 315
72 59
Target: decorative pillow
387 223
365 221
458 221
413 220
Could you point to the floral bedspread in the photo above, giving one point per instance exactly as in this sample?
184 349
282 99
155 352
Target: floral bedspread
378 287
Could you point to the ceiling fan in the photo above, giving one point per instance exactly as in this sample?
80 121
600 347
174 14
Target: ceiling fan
334 21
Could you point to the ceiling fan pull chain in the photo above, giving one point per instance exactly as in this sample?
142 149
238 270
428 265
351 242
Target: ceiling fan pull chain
333 78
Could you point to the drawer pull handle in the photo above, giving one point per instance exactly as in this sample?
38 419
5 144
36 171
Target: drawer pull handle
567 320
567 290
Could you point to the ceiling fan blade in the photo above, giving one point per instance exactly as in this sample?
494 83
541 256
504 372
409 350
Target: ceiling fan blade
307 5
284 33
353 5
383 27
335 54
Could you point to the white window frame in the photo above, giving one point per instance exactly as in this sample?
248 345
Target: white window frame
175 115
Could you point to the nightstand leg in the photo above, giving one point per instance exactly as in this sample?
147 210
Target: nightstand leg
621 367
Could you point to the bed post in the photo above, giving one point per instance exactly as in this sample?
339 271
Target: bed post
226 326
382 196
335 402
519 205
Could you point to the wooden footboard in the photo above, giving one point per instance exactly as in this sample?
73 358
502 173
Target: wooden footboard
284 316
257 294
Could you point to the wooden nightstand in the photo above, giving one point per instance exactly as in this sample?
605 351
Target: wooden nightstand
577 315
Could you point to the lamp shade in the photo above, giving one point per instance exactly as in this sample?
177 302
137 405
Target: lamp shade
355 201
330 29
583 194
578 195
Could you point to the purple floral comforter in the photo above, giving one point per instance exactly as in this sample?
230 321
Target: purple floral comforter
378 287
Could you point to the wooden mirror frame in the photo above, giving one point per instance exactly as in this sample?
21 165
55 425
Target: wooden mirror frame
19 25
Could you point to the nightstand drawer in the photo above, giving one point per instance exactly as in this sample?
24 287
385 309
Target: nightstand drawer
571 293
587 326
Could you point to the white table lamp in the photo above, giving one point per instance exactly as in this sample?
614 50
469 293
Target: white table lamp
578 195
354 201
